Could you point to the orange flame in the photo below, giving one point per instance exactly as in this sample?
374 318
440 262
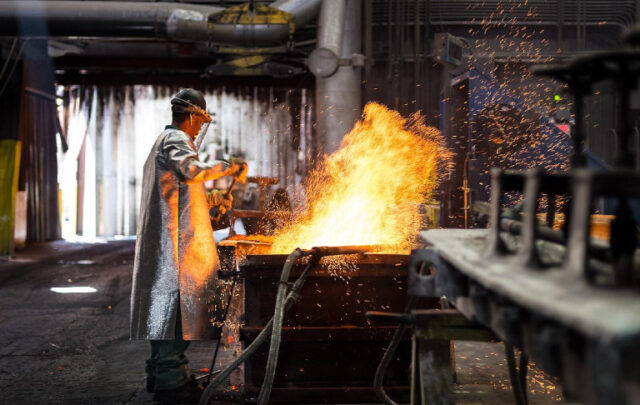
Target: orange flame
369 191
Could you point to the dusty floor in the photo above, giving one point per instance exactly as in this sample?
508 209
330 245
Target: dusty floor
75 348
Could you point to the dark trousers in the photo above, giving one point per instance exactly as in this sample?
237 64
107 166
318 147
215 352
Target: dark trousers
166 369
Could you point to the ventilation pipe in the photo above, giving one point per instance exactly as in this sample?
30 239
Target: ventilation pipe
336 64
172 21
324 60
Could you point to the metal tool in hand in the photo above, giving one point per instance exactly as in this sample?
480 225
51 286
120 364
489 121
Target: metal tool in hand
216 213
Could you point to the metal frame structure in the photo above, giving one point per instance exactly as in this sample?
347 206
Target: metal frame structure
569 301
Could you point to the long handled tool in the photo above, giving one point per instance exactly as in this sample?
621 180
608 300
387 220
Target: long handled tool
215 213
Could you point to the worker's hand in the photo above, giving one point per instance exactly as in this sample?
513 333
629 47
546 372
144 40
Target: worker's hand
239 169
237 161
215 198
219 200
226 203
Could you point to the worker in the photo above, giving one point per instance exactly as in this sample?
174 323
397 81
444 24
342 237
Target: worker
176 264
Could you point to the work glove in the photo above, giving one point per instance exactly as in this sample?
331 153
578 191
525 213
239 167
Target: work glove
218 199
239 169
237 161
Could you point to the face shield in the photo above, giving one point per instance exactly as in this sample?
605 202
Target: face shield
182 105
203 131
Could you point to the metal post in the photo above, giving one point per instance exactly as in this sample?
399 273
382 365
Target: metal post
338 97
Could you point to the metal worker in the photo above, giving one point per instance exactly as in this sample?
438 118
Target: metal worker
176 264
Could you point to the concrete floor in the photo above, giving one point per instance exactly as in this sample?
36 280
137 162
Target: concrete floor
75 348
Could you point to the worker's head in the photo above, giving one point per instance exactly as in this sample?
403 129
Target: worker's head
189 110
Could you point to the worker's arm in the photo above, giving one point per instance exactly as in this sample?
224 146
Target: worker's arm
184 162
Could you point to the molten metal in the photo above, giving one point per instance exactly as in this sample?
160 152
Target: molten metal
369 191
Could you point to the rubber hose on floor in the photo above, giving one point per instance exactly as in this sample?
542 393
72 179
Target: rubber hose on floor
259 340
518 393
316 253
388 356
522 371
276 335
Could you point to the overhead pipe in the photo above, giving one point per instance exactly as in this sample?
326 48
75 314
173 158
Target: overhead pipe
162 20
339 90
302 12
324 60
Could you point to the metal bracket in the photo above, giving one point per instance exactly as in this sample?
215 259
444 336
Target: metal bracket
444 280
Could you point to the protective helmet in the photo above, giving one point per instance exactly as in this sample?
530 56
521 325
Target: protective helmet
190 101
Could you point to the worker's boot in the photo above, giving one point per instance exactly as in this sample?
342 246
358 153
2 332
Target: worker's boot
189 393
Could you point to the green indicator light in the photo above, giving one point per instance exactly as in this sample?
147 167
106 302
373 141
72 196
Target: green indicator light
557 97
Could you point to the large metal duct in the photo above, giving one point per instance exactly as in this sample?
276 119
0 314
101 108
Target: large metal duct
302 12
173 21
324 60
338 96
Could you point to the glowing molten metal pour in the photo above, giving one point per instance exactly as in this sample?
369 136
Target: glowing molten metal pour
368 192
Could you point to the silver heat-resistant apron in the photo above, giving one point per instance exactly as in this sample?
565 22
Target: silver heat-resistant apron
175 258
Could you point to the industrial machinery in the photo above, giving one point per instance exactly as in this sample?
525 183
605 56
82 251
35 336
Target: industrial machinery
568 300
489 125
257 216
329 350
325 348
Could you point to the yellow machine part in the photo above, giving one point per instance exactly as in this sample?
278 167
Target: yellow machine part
262 14
9 172
247 61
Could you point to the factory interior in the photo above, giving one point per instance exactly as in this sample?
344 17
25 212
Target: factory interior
320 202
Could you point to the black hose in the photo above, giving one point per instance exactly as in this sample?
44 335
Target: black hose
316 253
522 370
248 352
276 336
278 314
388 356
259 340
516 377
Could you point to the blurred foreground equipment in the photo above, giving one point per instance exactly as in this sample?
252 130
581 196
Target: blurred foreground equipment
570 301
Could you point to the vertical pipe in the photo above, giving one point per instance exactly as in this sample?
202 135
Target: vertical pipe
625 156
417 80
338 97
427 66
578 134
99 156
390 49
368 40
560 25
325 59
399 53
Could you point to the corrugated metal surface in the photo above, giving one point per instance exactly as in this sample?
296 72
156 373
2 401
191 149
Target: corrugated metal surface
37 132
111 130
619 13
